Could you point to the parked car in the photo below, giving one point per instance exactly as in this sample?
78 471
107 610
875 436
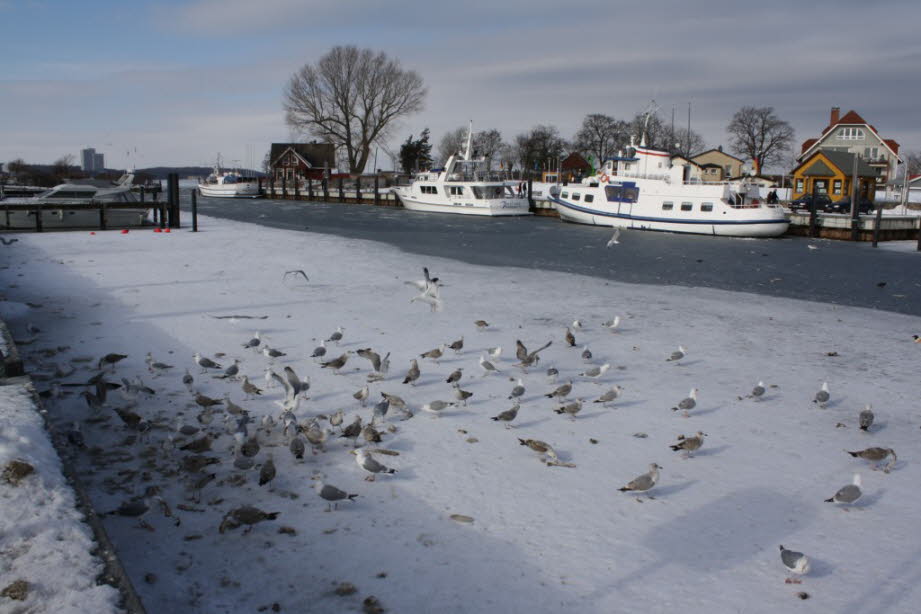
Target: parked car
822 202
844 206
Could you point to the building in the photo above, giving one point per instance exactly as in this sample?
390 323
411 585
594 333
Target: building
717 165
694 172
92 162
99 163
830 172
850 133
575 167
290 161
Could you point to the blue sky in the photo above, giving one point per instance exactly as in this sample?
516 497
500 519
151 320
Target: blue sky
174 83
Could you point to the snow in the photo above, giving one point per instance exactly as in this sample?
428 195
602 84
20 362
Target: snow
543 538
42 537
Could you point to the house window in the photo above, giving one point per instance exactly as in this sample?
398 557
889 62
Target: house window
687 207
850 134
836 186
589 198
799 185
706 207
871 153
666 206
575 196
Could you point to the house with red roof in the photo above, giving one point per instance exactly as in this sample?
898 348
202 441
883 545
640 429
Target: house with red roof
852 134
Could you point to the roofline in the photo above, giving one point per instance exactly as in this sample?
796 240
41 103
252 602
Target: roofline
829 130
718 150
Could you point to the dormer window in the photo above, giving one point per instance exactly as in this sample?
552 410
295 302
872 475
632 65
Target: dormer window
851 134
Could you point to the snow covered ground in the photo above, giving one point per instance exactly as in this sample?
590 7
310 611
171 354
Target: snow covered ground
542 538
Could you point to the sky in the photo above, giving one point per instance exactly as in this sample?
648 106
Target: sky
167 82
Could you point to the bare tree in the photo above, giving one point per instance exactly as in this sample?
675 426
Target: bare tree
601 136
352 98
451 143
654 129
61 167
757 133
486 143
541 148
913 163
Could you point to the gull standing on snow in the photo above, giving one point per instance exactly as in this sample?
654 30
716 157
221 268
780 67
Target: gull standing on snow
586 354
205 363
319 351
434 354
254 342
596 372
413 374
461 395
677 354
876 455
822 396
758 391
267 472
336 337
615 238
370 464
455 376
795 562
362 395
458 345
570 408
188 380
688 403
866 418
518 390
156 367
337 363
487 367
508 415
847 494
541 447
609 396
331 494
272 353
612 325
561 391
495 353
643 482
689 444
231 371
435 407
570 338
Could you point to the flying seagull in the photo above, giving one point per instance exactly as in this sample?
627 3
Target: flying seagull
614 240
295 272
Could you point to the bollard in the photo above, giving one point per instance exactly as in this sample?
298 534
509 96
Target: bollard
879 219
38 219
102 216
377 195
325 190
309 188
194 210
358 189
341 191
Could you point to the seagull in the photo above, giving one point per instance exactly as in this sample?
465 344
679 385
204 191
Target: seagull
612 325
677 354
434 354
188 380
337 363
615 238
570 408
518 390
428 285
552 374
253 342
231 371
689 444
688 403
508 415
267 472
336 419
319 351
822 396
370 355
457 346
610 395
206 401
379 412
455 376
812 247
541 447
435 407
362 395
370 434
795 562
847 494
272 353
533 358
586 354
495 353
461 395
758 391
336 337
570 338
561 391
413 374
432 300
866 418
353 430
577 324
876 455
156 367
332 494
110 360
232 408
385 364
394 400
643 482
487 366
596 372
245 514
205 363
297 447
249 388
370 464
295 385
295 272
481 324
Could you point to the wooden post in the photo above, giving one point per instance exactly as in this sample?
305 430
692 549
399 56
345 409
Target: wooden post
194 210
309 188
855 208
297 189
341 191
102 216
377 195
358 189
325 184
284 189
7 211
813 226
161 207
530 185
259 184
38 218
141 194
879 219
173 187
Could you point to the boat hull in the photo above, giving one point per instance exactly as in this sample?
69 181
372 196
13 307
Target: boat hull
62 218
743 223
484 207
232 190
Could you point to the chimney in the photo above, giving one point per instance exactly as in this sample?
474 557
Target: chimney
835 115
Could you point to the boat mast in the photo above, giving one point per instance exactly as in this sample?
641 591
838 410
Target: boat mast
469 140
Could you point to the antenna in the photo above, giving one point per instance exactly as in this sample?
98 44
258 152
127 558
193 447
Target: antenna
650 110
469 140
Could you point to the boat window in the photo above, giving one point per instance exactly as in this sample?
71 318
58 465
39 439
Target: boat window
565 194
488 191
457 190
589 198
621 193
687 207
668 206
575 196
428 189
706 207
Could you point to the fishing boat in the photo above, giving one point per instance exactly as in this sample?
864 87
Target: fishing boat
55 202
641 189
463 186
228 184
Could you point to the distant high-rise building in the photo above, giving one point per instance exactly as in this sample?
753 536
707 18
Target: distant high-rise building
99 163
88 159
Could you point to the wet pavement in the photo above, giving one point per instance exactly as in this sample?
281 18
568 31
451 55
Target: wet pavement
835 272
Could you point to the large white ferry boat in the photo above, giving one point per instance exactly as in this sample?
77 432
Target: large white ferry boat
228 184
642 190
463 186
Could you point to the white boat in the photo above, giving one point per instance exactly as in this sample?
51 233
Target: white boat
228 184
463 186
55 213
642 190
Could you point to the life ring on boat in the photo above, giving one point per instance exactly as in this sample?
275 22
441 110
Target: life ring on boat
604 178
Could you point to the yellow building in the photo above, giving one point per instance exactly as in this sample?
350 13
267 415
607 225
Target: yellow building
830 172
717 165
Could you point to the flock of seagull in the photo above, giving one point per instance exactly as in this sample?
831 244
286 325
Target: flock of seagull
183 444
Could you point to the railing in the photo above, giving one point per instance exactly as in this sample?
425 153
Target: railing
41 210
